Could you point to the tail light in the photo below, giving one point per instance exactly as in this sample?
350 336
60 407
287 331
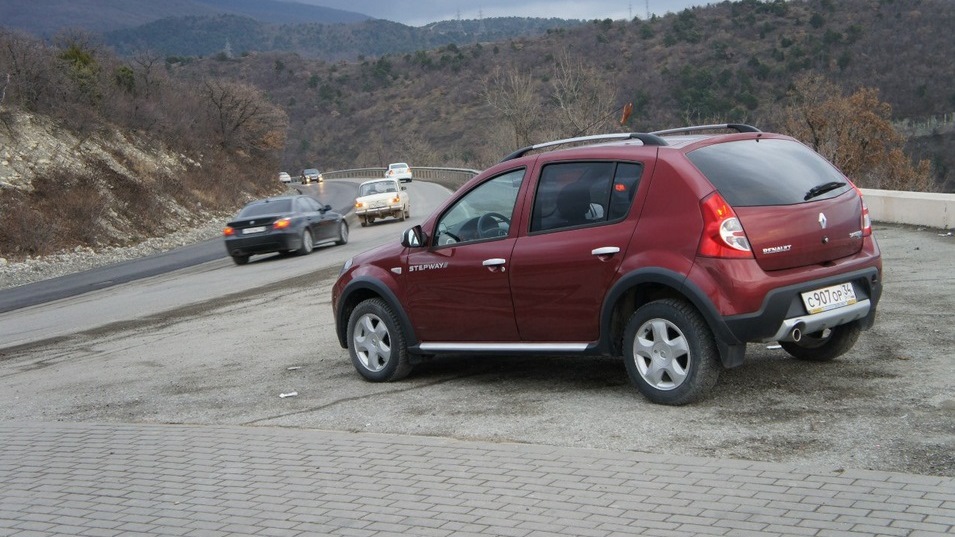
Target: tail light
282 223
866 220
228 231
723 235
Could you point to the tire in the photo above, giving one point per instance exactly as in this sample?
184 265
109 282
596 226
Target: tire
240 259
364 222
307 243
670 353
376 343
342 233
825 345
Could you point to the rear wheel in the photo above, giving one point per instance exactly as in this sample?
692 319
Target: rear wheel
376 343
307 243
342 233
670 353
240 259
824 345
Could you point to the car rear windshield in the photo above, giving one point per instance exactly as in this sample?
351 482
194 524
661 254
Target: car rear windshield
768 172
269 207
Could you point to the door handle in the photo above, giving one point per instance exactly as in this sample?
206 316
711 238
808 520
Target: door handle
495 264
606 250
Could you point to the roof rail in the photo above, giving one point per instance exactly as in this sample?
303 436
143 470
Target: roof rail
738 127
647 139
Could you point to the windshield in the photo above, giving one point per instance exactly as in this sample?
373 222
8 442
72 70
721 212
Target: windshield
379 187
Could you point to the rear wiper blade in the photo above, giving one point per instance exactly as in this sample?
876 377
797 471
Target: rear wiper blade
818 190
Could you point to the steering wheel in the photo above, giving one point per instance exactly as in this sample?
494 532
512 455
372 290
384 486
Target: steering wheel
489 225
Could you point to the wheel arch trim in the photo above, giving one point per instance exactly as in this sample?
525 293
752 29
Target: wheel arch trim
731 350
373 286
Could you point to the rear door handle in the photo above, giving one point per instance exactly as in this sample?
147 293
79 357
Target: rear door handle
606 250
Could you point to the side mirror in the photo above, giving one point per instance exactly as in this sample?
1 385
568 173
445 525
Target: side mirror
404 188
413 237
326 208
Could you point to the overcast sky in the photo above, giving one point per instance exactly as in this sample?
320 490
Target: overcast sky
421 12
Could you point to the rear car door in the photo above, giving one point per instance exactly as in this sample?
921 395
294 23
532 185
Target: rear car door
807 214
577 238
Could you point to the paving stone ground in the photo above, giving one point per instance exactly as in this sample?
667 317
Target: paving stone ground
80 479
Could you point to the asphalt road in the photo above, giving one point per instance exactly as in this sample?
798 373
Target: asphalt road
220 344
340 194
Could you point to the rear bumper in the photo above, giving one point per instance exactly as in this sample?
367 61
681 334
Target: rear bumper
263 244
783 309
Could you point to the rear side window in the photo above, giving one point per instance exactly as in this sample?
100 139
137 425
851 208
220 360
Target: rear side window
571 194
768 172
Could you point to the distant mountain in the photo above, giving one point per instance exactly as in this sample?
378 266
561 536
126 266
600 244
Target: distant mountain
47 17
208 36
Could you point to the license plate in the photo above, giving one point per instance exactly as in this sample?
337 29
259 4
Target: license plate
250 230
829 298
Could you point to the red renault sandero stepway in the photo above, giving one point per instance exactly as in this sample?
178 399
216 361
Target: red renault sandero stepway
671 249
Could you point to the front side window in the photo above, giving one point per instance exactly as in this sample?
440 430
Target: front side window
483 213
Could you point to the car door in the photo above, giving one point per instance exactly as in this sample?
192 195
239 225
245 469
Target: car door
578 235
457 290
322 223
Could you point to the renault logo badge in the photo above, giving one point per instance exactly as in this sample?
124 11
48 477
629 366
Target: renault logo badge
822 221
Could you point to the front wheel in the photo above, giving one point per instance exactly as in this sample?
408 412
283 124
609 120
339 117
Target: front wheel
670 353
240 259
824 345
376 343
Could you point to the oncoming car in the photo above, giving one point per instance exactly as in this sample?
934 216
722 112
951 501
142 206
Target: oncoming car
671 249
382 198
286 224
310 175
400 171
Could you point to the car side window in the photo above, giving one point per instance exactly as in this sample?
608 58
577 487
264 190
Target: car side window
301 206
625 183
571 194
483 213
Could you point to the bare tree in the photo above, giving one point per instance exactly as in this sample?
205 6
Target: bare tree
585 100
146 62
516 97
243 117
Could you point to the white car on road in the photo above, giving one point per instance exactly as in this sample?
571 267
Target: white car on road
400 171
381 198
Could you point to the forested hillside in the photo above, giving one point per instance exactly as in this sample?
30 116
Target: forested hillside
733 61
148 142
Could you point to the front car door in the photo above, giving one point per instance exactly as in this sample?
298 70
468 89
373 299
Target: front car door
457 289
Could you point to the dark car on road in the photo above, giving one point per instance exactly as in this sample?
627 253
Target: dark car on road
287 224
311 175
671 249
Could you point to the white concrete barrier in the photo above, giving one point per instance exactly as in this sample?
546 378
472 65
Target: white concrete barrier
916 208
